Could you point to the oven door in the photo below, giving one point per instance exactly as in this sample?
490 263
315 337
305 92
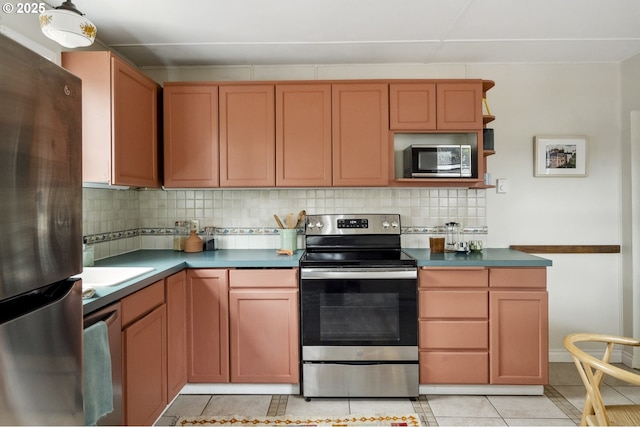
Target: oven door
367 308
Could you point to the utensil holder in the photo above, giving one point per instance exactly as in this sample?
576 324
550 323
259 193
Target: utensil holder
289 239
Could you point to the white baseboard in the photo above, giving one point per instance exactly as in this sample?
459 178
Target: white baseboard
240 388
564 356
483 389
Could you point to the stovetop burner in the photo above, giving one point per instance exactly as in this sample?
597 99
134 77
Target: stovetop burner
354 240
376 258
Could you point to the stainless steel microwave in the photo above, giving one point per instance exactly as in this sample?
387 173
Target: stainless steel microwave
438 161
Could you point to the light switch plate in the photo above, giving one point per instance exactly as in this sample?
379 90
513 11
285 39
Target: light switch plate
502 186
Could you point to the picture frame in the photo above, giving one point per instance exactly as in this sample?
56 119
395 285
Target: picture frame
560 156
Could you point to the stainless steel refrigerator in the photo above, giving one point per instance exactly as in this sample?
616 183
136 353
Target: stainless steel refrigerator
40 240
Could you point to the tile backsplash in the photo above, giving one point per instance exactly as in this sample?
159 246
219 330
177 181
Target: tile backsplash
118 221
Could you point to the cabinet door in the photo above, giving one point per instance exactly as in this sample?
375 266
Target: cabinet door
247 136
191 136
360 113
412 106
94 68
262 354
145 368
303 135
518 337
208 326
176 289
459 105
135 127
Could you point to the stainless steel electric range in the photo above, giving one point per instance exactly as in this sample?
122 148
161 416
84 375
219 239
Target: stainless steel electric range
359 308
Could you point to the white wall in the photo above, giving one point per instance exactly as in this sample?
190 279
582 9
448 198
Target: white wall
630 167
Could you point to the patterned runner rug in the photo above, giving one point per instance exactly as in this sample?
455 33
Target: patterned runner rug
408 420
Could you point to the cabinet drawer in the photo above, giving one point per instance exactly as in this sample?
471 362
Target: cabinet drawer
454 304
142 302
445 367
454 335
280 278
453 277
518 277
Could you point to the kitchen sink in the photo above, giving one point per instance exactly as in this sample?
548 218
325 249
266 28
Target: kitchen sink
109 276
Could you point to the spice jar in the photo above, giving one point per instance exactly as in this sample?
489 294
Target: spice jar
180 233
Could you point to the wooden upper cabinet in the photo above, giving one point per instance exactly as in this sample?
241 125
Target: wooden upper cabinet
303 135
247 135
412 106
360 113
459 105
191 135
119 120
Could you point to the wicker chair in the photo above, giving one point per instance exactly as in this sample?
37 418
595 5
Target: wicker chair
592 371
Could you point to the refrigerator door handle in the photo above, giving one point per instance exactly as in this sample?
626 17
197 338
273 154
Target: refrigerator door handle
28 302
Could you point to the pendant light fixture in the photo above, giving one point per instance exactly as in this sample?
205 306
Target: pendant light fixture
67 25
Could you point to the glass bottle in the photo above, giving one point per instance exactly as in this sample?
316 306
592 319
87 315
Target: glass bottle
180 233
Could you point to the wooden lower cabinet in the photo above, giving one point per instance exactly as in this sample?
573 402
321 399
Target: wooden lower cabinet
243 326
264 324
144 342
208 325
176 296
519 331
454 315
264 336
483 326
454 367
519 337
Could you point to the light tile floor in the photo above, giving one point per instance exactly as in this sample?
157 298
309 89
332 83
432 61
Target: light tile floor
560 405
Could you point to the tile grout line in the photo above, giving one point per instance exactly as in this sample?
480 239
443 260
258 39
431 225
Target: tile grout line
423 409
563 404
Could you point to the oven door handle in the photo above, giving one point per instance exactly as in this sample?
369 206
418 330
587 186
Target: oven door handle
358 273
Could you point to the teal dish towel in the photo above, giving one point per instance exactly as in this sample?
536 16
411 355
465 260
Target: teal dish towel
98 390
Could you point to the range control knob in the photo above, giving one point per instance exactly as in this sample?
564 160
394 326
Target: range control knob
394 224
385 224
319 224
310 224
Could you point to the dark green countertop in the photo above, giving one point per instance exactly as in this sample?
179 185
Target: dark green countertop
166 263
488 257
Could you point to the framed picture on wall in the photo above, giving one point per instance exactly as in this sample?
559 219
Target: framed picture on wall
560 156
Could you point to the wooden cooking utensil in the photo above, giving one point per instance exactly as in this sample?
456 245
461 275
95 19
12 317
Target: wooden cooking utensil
301 216
278 221
290 220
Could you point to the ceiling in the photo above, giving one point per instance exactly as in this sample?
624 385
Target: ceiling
263 32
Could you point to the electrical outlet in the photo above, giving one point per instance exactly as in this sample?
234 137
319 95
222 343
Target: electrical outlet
502 185
195 225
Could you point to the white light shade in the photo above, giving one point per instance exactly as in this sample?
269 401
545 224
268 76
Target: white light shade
67 28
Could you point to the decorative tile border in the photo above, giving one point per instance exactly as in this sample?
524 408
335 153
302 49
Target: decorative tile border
441 229
92 239
248 231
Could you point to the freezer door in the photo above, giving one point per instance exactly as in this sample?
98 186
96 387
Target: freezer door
40 171
41 357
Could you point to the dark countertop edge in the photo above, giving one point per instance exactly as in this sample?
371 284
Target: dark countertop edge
489 257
